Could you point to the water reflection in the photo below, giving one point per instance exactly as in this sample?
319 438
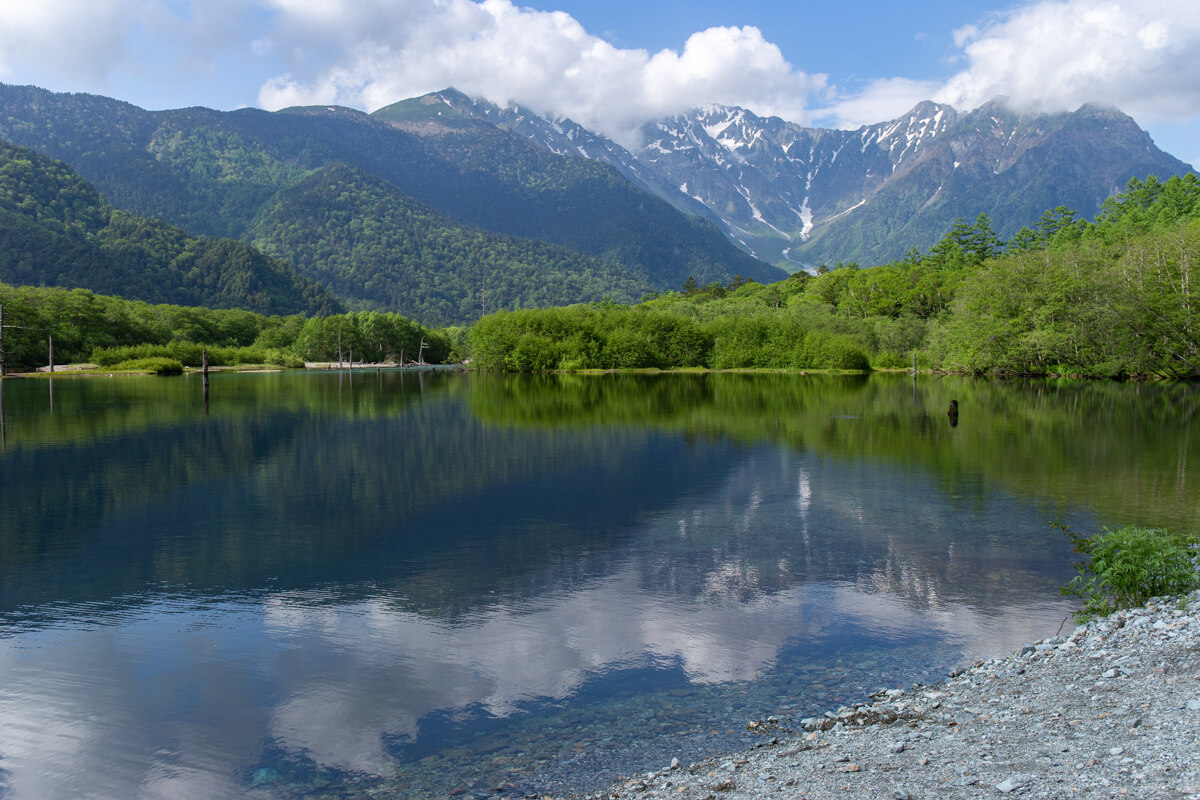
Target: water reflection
417 586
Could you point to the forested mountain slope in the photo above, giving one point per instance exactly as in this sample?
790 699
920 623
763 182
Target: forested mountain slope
374 246
223 173
55 230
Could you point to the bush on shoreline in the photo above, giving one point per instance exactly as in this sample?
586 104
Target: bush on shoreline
1128 566
155 365
190 354
622 337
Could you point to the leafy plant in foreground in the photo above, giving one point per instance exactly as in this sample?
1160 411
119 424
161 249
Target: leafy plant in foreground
1128 566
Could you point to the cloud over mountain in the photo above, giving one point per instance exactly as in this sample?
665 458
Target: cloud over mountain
1139 55
384 51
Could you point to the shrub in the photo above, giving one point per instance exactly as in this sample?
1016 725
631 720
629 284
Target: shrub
156 365
191 354
1128 566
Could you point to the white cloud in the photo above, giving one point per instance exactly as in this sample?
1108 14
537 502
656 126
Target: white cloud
381 52
1139 55
99 44
881 100
67 37
1142 56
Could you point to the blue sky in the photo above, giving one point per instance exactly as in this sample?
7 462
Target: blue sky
613 65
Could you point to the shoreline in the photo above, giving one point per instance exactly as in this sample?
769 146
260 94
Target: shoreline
1109 710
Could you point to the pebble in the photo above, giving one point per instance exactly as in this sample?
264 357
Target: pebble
1035 724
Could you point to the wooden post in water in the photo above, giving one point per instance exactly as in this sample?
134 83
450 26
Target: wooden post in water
3 422
204 376
50 337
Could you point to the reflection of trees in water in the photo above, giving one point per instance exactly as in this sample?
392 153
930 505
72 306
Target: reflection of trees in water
1120 448
443 491
410 495
781 522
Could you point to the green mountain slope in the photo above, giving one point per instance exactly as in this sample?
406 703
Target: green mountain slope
55 230
579 203
375 246
222 174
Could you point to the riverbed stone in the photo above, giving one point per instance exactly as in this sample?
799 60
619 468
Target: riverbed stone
1039 711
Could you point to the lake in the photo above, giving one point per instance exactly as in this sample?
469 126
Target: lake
423 584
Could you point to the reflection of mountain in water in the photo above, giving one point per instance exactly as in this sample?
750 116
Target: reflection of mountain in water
343 570
717 584
297 497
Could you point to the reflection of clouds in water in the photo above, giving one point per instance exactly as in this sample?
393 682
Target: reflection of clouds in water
717 585
81 706
406 666
672 601
988 631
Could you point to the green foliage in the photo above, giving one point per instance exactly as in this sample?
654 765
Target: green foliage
444 228
1128 566
107 330
587 337
1114 299
189 354
55 230
614 337
156 365
378 248
370 336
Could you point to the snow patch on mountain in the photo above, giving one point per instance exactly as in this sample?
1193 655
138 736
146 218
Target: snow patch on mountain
806 219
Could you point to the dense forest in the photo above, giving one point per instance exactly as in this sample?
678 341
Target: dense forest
56 230
376 248
409 227
1109 298
109 331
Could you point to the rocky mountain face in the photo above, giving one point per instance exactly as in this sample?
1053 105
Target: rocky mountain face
799 196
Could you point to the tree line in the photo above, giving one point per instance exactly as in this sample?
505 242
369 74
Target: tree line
1115 297
94 328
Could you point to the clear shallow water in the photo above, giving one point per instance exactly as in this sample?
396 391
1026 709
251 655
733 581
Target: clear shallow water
437 583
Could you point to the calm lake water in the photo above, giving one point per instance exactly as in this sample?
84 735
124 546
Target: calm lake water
413 585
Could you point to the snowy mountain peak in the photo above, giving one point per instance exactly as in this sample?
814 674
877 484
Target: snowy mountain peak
778 188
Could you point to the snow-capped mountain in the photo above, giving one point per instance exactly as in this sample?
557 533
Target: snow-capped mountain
771 182
796 196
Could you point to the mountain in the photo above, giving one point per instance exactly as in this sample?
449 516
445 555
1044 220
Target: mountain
55 230
372 245
589 233
1008 165
803 196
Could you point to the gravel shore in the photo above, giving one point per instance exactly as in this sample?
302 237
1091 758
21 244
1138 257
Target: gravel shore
1110 710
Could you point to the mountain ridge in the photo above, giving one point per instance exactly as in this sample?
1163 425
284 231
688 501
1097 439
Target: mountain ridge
56 230
219 173
801 196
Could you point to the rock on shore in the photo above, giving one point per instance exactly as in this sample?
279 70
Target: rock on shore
1111 710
